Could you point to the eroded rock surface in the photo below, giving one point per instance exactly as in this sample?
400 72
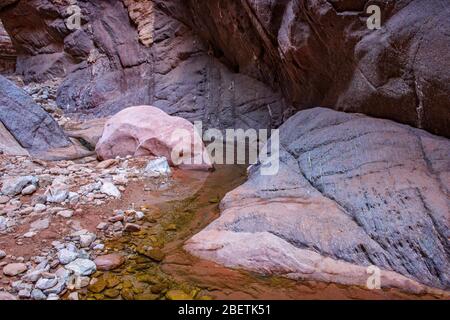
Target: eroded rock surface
233 63
8 144
7 52
146 130
134 53
351 192
325 55
33 128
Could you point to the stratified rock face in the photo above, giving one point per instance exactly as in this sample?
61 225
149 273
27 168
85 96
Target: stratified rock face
325 55
7 52
172 54
134 53
143 15
351 191
27 122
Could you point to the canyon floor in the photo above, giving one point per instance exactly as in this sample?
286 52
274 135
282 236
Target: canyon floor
136 224
153 264
93 207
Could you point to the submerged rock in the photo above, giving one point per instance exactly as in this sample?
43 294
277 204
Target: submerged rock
97 285
109 262
177 295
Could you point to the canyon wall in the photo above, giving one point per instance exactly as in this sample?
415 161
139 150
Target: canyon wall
324 54
352 190
236 62
132 53
7 53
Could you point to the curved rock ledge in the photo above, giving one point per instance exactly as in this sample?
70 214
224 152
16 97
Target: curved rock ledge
351 192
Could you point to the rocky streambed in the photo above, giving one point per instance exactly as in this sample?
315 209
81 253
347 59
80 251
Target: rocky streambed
119 228
132 247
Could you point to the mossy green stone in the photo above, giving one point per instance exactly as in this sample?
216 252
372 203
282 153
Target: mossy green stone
111 293
146 296
177 295
127 294
156 254
98 286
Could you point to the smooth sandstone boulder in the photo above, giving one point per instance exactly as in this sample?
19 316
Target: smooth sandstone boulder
149 131
351 192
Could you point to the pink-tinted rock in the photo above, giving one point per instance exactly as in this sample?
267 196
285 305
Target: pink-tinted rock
109 262
14 269
8 144
146 130
5 296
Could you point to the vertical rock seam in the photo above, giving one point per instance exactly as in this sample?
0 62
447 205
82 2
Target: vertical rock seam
142 14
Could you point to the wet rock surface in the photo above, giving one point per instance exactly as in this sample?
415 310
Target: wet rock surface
351 191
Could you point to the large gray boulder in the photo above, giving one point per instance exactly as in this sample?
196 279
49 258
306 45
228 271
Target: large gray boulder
351 192
27 122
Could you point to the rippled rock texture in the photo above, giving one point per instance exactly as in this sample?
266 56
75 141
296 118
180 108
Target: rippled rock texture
324 54
351 191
